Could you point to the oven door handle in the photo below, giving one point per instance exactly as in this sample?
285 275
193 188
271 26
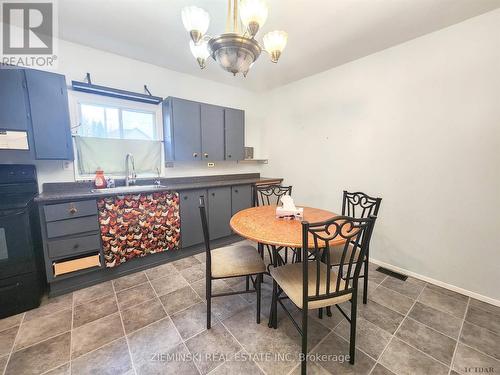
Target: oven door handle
15 213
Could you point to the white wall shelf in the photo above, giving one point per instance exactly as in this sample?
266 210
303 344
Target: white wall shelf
261 161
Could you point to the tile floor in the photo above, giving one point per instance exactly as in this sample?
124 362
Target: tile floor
153 322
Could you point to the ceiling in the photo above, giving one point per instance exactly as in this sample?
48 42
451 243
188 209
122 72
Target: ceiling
321 33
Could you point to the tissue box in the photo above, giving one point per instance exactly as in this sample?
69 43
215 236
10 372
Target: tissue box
298 213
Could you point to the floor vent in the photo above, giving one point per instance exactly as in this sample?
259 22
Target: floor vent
399 276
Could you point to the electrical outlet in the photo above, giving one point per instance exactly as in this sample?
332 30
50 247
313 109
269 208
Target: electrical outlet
67 165
210 165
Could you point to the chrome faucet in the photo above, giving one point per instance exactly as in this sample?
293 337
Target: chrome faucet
158 179
129 162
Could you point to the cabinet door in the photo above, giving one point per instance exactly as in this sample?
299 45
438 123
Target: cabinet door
191 230
212 132
14 112
219 212
187 129
168 130
241 197
234 126
48 98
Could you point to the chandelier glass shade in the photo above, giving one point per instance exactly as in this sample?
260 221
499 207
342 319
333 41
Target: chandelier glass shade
234 51
253 14
196 20
200 52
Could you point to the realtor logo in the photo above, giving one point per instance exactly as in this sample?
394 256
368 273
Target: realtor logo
28 33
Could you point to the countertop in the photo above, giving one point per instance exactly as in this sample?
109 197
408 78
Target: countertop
53 192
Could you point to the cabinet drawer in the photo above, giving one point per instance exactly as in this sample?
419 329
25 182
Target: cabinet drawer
69 210
72 226
73 246
67 266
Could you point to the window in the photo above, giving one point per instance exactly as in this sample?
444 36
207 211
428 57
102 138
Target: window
107 129
115 122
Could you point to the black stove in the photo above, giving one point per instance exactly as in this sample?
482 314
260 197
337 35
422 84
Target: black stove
21 271
15 201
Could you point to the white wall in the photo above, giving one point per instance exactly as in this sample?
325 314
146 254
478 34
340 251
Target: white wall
417 124
112 70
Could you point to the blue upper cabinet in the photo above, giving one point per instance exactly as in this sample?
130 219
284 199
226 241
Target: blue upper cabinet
212 132
48 104
234 132
182 129
14 110
196 131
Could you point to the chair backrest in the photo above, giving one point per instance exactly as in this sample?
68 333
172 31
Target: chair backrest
356 233
265 195
206 236
359 205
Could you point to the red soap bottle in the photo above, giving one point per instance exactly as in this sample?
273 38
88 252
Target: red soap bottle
100 180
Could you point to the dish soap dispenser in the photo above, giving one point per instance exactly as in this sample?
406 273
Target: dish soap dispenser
100 180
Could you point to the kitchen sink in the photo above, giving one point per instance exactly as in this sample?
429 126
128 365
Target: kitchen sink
128 189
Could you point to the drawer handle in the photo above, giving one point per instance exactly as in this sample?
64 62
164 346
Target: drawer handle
236 190
229 156
195 154
72 210
213 194
185 197
9 287
205 154
76 246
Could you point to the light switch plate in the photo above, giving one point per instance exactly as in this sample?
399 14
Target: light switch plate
210 165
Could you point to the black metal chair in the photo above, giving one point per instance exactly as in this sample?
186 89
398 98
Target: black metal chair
230 261
266 195
313 284
358 205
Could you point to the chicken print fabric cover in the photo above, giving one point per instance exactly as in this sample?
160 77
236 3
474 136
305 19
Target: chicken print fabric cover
138 225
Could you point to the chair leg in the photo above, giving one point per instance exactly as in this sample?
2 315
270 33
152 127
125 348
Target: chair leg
247 283
209 302
328 308
352 339
365 281
258 291
320 313
270 324
260 250
275 304
303 358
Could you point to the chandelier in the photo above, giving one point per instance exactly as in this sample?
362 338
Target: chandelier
235 50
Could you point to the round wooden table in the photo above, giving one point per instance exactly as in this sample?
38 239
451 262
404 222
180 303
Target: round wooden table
260 224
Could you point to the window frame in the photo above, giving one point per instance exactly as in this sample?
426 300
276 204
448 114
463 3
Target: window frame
120 117
76 99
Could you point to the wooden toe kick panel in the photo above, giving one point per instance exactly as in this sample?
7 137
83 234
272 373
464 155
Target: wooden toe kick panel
67 266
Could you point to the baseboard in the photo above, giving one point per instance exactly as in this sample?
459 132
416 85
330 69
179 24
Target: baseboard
437 282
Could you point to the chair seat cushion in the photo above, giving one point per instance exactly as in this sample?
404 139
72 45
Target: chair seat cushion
289 278
232 261
336 254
